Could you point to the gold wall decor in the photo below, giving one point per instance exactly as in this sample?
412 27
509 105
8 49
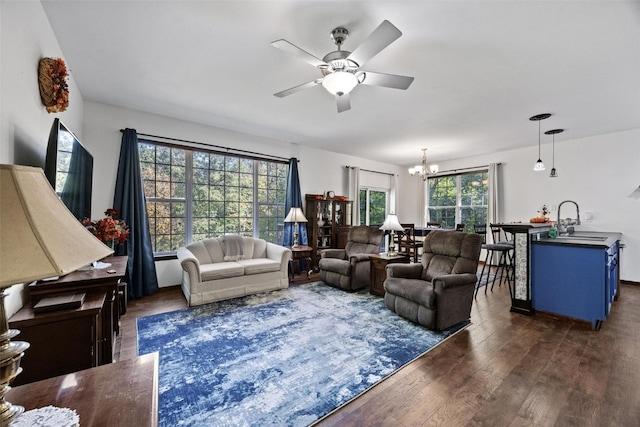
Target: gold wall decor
54 90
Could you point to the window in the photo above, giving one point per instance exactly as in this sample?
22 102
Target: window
193 195
459 199
373 206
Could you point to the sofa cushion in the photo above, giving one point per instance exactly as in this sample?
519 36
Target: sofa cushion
200 251
259 265
258 249
232 247
214 249
220 270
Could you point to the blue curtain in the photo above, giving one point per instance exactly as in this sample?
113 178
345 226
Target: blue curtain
129 199
294 200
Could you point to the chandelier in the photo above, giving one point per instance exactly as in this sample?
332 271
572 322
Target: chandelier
422 170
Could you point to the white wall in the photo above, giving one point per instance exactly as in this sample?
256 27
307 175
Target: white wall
25 37
319 170
600 173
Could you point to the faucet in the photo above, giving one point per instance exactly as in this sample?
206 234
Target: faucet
563 225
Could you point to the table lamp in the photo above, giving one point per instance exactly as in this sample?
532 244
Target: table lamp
295 215
391 224
39 238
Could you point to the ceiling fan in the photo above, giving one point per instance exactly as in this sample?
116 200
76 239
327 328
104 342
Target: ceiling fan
341 69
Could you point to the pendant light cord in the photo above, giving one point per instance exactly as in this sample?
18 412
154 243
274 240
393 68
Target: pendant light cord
538 139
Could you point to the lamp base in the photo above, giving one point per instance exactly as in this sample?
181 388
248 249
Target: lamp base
392 250
9 412
10 354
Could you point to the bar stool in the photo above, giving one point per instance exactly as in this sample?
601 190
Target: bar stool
504 249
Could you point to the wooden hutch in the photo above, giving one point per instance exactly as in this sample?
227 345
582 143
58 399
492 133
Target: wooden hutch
329 223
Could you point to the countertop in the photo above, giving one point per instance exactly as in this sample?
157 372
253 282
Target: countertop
598 239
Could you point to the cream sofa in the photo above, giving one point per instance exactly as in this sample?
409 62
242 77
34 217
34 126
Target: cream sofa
207 277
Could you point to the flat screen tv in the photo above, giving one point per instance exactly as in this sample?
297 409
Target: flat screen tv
69 169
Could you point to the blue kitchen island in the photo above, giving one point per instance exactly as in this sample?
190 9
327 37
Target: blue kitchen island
576 276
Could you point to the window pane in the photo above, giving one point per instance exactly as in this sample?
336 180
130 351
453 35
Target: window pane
363 207
442 191
377 207
459 199
222 192
163 173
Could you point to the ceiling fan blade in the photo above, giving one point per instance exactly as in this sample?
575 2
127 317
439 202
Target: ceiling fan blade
386 80
301 54
298 88
383 36
344 102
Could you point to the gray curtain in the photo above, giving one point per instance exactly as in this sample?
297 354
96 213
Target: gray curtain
129 199
493 205
353 184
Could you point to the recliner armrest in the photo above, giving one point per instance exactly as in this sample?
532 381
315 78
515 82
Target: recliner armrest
356 258
333 253
446 281
404 271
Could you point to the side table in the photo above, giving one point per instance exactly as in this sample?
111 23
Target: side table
297 254
379 264
62 341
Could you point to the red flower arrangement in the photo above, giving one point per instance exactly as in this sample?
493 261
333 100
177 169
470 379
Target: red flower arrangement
109 229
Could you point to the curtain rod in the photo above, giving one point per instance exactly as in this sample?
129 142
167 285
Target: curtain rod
236 150
369 170
452 171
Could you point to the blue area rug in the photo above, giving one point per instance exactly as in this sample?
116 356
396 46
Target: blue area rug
284 358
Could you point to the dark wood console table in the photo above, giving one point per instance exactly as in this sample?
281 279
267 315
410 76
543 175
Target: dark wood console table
379 264
119 394
94 280
299 254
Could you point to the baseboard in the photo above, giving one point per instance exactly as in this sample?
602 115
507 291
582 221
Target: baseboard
630 282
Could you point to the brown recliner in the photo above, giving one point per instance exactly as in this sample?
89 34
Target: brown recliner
437 292
349 268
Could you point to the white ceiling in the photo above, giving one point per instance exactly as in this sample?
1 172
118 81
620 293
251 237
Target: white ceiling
481 69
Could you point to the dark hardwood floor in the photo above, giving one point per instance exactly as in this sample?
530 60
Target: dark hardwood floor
505 369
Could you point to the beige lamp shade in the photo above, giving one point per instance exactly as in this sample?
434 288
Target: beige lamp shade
39 236
295 215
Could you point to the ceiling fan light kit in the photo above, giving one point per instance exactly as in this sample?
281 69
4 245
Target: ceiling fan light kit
340 82
341 69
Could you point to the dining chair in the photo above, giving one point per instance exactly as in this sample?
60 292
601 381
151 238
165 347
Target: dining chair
407 242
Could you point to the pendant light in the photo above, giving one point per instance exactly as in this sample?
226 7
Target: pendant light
553 132
539 166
